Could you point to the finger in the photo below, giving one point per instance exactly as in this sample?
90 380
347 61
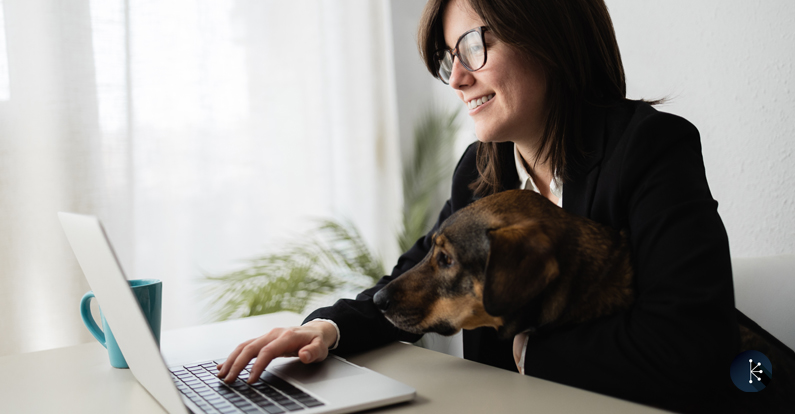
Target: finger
315 351
285 345
247 353
224 367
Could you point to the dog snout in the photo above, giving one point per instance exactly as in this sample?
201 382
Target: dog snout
381 300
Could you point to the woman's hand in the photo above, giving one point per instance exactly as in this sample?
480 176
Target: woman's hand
309 342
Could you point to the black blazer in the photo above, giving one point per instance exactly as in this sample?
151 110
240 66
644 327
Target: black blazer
643 172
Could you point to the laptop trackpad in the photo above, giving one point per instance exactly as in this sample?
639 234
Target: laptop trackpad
331 368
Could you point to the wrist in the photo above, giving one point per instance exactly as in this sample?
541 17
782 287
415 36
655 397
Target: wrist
328 332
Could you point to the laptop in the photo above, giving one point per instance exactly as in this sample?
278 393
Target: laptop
287 386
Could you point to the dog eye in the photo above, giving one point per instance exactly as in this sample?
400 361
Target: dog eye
444 260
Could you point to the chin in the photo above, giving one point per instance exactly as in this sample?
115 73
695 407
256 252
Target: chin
488 135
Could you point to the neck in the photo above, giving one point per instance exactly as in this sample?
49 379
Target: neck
541 172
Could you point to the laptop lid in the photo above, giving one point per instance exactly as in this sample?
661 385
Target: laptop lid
106 278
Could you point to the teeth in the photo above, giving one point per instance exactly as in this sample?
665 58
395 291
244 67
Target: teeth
480 101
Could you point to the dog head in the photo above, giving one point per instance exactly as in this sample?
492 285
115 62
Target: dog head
487 263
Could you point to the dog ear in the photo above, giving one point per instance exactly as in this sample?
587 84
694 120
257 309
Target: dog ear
521 264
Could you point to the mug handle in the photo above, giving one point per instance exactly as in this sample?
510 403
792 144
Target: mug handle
88 319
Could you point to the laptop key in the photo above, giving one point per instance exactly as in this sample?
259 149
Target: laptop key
222 405
292 407
273 380
243 405
257 399
270 392
273 409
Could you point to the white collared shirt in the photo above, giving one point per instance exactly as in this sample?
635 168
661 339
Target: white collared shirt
526 183
526 180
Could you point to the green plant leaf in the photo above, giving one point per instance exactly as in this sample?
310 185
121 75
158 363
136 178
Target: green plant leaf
335 256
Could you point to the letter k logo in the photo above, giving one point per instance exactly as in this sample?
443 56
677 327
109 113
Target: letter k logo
754 371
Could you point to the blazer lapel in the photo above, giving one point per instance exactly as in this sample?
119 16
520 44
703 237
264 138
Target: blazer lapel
583 167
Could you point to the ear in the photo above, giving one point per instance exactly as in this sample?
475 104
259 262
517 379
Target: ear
521 264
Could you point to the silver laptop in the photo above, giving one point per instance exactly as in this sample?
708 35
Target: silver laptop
287 386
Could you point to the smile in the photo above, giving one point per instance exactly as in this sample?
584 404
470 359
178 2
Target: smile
479 101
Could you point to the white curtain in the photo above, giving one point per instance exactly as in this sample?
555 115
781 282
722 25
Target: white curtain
202 133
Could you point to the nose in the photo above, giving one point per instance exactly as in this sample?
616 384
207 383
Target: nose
459 77
381 300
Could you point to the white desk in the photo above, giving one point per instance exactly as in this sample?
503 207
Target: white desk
79 379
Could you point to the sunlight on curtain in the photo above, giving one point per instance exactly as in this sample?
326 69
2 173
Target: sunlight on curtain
5 93
202 133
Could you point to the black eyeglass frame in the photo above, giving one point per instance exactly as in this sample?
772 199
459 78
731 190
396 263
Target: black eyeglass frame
441 54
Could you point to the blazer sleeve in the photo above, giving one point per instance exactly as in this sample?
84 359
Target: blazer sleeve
678 340
361 324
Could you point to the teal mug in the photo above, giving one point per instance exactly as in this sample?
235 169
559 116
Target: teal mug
149 293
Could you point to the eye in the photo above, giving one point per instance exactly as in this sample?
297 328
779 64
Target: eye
443 260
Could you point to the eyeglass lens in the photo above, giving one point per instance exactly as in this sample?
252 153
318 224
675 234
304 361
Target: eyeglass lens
471 52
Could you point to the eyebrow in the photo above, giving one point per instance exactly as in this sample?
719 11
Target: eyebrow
460 36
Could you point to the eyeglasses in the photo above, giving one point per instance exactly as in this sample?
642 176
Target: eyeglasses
470 50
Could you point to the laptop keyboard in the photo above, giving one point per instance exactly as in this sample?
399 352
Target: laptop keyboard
270 394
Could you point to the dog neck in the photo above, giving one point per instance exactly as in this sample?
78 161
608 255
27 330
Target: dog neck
527 319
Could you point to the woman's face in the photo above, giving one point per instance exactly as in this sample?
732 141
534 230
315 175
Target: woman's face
516 112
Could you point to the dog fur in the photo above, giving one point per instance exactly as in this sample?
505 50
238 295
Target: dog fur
469 277
515 261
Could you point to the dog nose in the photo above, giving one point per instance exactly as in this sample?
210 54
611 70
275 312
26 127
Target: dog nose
381 300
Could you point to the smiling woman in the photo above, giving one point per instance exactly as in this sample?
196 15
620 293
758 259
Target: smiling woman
199 131
556 120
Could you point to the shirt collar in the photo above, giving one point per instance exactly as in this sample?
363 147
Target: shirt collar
526 180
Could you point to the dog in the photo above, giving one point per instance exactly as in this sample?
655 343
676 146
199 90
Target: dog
477 253
495 264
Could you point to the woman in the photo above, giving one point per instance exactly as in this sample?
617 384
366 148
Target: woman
544 84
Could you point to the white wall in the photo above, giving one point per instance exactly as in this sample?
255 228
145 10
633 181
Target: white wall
727 67
417 90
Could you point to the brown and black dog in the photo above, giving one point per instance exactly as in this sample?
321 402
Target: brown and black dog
494 263
469 277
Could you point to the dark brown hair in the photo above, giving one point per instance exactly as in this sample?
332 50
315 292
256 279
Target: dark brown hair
574 43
